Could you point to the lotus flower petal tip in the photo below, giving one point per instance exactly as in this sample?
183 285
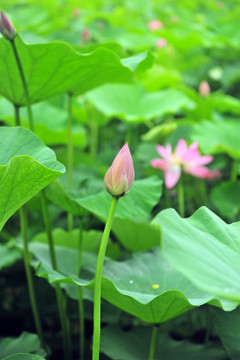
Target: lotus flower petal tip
119 177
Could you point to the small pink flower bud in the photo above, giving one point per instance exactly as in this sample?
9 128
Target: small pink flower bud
6 27
119 177
204 88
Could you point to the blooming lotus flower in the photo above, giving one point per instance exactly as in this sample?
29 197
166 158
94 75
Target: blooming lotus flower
119 177
161 42
184 158
155 25
6 27
204 88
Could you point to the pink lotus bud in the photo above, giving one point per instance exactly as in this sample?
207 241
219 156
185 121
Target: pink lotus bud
119 177
6 27
204 88
155 25
161 42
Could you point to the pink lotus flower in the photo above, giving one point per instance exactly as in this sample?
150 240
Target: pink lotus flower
204 88
184 158
161 42
119 177
155 25
6 27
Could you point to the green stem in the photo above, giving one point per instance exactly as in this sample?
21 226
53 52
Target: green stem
59 294
153 342
80 298
93 132
98 281
24 83
24 226
16 113
181 198
234 170
70 155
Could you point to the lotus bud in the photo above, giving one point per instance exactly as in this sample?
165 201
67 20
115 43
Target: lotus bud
6 27
204 88
119 177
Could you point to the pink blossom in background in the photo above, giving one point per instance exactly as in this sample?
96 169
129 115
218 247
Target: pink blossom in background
161 42
204 88
184 158
76 12
119 177
85 35
155 25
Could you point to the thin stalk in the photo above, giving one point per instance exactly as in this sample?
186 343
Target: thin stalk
98 281
93 132
208 325
80 298
153 342
24 83
181 198
70 155
16 115
59 294
234 170
24 226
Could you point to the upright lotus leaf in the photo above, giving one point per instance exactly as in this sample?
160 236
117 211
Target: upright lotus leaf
145 286
25 343
204 249
26 167
134 344
218 136
55 67
133 104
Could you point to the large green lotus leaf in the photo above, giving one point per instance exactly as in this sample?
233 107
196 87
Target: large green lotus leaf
203 248
226 325
25 343
225 103
132 103
24 357
143 286
143 196
50 123
218 136
55 67
26 167
8 255
226 198
136 235
134 344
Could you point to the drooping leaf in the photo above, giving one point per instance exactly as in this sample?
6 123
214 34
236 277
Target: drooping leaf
143 286
139 62
204 249
25 343
24 357
132 103
26 167
135 345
